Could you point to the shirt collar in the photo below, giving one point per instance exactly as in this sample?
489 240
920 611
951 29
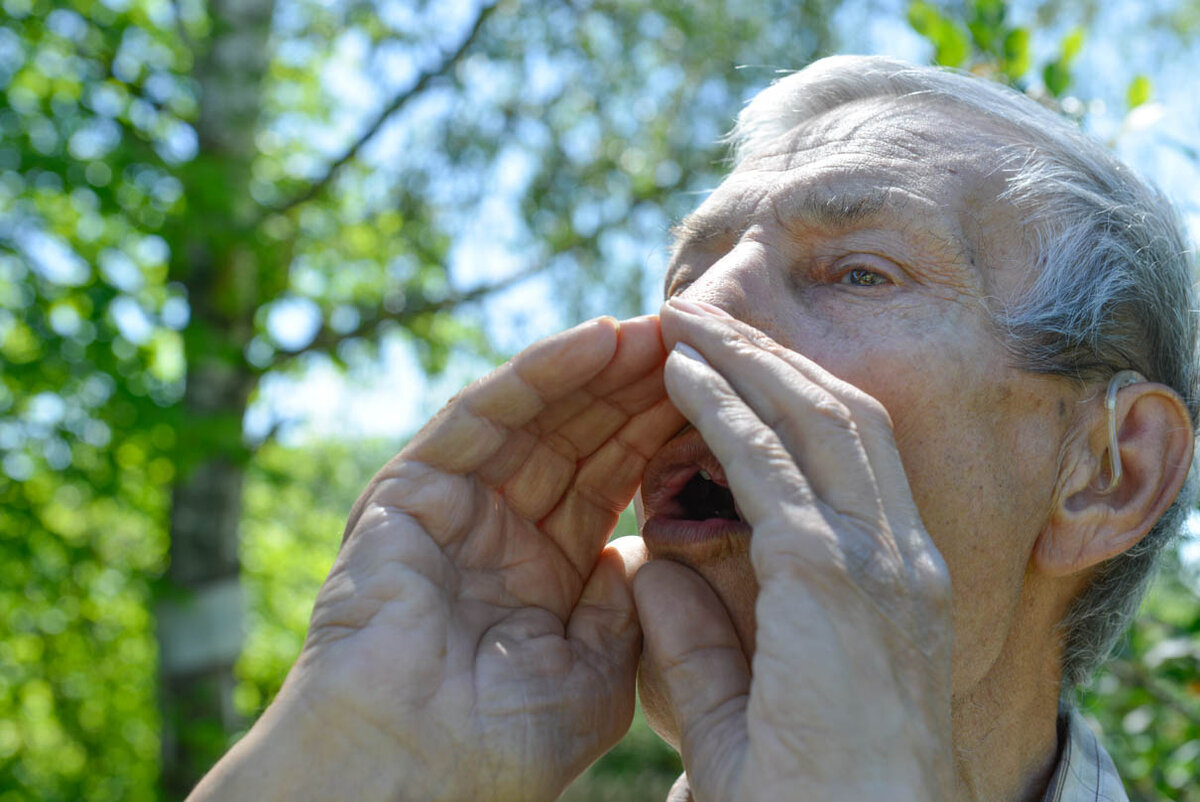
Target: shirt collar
1085 772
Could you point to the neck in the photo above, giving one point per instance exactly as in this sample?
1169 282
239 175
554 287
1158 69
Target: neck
1005 725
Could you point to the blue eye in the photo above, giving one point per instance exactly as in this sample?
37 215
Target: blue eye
862 277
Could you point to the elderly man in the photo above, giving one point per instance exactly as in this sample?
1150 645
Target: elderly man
925 336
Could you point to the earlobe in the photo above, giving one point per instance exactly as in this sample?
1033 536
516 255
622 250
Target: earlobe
1105 506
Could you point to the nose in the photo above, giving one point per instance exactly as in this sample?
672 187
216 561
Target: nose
746 284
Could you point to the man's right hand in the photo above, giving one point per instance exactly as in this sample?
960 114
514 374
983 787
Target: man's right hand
476 639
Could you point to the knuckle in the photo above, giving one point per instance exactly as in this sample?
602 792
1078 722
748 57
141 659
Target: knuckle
796 544
830 408
740 343
871 412
933 577
761 340
398 479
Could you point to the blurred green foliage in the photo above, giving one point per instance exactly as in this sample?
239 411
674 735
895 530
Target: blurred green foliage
1147 700
78 713
296 503
141 241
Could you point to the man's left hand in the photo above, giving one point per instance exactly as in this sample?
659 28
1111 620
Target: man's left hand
849 693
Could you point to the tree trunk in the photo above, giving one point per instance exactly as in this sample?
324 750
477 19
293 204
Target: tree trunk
201 609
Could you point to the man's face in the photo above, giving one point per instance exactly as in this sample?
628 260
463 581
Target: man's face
872 241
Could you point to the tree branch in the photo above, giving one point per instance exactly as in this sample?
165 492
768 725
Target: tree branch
396 103
327 339
181 26
473 294
1189 151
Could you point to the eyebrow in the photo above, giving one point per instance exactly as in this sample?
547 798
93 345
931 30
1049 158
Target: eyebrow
833 209
837 210
841 209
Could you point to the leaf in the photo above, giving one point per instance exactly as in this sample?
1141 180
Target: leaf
952 45
1057 77
923 17
1140 90
951 42
1016 53
1072 43
987 23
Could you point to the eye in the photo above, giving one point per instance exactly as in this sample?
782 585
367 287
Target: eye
863 277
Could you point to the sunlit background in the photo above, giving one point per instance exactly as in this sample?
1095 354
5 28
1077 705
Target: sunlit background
247 246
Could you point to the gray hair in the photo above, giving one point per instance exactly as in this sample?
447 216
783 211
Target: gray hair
1113 289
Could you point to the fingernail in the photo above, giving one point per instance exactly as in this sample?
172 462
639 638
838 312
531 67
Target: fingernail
604 321
699 308
691 353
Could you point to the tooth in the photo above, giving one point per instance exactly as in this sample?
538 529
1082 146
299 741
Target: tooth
705 475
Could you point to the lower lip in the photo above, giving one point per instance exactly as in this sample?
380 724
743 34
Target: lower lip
695 540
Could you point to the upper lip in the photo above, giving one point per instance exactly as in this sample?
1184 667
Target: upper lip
673 467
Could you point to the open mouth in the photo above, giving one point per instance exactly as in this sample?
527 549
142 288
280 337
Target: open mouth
688 508
702 498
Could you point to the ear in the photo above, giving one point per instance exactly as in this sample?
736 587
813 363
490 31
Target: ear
1088 523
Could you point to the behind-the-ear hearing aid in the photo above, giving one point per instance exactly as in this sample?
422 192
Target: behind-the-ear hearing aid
1115 384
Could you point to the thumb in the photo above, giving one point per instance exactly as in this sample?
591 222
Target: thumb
690 643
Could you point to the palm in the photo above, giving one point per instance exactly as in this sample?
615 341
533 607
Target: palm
473 611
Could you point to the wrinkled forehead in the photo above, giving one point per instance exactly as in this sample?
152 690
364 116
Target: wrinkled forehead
912 162
917 134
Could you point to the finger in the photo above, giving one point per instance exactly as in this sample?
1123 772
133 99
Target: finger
586 432
537 461
690 644
633 554
791 524
725 342
815 426
762 473
605 619
605 484
639 353
625 386
535 466
478 422
864 479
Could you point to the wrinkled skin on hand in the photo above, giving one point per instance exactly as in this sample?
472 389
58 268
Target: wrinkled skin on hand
475 633
848 694
476 638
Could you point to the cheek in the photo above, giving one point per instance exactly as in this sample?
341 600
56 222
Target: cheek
979 443
982 471
959 411
982 468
